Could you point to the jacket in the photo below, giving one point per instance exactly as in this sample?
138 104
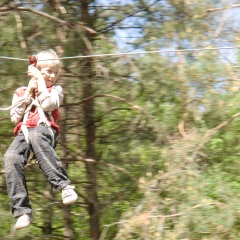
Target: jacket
49 100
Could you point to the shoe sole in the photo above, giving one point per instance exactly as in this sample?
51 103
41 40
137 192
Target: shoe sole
21 227
70 202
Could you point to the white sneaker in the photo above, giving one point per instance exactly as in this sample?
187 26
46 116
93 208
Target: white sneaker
69 196
24 221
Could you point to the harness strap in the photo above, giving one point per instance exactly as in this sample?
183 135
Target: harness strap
43 119
42 116
24 127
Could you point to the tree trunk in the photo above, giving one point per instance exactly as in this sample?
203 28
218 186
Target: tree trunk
68 229
47 220
88 111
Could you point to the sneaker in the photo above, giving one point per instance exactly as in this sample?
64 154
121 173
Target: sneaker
69 196
24 221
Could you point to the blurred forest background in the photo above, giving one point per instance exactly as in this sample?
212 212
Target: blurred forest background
150 139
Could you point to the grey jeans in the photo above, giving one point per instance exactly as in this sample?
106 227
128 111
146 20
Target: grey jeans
16 158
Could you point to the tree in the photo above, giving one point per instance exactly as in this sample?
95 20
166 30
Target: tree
139 132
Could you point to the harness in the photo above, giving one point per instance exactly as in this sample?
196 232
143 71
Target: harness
41 113
42 119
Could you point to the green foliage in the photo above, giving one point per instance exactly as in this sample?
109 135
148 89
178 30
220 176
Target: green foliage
166 138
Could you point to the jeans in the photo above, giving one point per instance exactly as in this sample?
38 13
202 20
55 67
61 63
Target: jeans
16 158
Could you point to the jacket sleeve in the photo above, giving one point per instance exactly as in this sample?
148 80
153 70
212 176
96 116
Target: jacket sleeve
51 100
20 103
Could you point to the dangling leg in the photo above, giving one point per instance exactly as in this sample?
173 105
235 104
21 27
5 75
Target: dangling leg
14 161
40 139
50 164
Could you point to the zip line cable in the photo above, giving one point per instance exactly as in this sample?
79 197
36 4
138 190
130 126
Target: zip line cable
130 53
125 53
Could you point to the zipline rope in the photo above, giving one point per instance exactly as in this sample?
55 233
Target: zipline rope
121 54
130 53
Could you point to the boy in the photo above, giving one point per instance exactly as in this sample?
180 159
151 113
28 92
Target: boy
35 114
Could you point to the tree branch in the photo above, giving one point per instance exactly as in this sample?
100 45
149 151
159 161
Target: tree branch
223 21
19 30
130 15
147 216
220 9
210 134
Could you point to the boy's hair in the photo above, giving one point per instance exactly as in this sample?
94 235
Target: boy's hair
48 58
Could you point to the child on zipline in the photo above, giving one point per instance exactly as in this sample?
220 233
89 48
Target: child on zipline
35 114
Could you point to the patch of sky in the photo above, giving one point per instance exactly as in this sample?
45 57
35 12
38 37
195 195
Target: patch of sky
37 5
130 29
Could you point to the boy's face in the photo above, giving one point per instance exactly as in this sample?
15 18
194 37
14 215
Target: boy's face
50 75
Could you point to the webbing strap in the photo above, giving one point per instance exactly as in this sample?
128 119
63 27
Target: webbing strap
43 119
42 116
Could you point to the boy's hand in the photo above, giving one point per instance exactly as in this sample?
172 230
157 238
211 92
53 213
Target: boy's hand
32 85
33 72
